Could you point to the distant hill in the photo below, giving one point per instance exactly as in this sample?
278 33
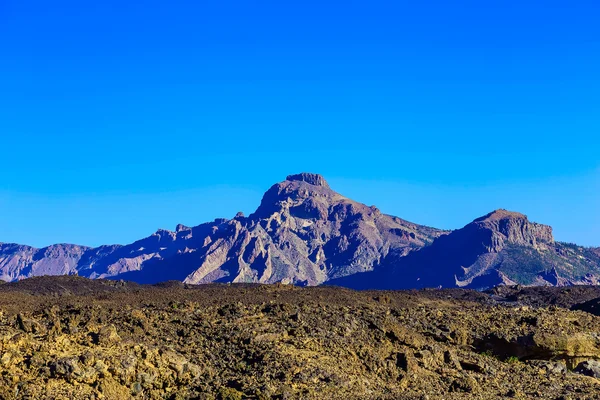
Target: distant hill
305 233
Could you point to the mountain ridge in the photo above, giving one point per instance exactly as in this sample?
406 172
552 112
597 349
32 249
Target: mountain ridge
500 248
304 233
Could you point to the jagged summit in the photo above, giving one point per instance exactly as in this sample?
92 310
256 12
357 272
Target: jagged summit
313 179
181 227
509 228
310 191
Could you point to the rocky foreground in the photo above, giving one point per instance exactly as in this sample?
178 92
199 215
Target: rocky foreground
73 338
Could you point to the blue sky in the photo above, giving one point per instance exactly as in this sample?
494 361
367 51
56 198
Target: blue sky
121 117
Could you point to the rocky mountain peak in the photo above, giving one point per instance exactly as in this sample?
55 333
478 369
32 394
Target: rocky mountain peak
295 191
181 227
507 227
502 247
501 214
313 179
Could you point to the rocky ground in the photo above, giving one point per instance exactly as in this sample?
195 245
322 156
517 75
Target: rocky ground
72 338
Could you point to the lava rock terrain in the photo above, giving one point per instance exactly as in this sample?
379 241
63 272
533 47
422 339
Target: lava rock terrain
74 338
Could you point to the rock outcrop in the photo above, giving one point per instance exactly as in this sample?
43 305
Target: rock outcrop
502 228
313 179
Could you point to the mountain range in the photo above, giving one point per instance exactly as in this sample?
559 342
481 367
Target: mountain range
304 233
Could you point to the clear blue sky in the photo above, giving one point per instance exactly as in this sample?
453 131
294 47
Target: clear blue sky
121 117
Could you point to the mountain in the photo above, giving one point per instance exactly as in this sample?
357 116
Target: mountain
502 247
18 261
302 233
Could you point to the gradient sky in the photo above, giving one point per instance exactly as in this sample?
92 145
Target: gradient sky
121 117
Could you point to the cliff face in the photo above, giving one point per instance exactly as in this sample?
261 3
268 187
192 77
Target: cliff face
510 228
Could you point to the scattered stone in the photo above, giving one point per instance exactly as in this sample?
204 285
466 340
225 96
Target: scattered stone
108 335
549 367
589 368
29 325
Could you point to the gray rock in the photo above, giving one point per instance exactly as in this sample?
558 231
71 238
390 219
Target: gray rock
67 367
551 367
589 368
